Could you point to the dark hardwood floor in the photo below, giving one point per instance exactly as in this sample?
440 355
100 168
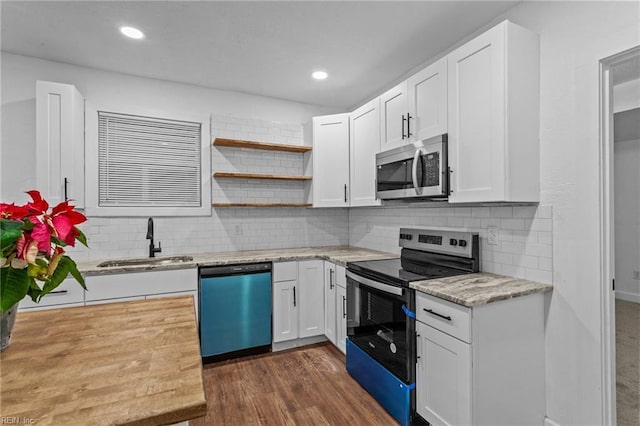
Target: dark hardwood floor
304 386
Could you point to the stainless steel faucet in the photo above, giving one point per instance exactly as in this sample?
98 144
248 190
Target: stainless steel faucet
152 248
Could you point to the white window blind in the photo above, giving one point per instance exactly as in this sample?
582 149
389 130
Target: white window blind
146 161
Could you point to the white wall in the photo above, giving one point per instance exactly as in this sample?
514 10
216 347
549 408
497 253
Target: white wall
239 115
627 218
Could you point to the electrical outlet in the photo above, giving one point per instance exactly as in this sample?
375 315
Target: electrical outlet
492 235
636 275
237 230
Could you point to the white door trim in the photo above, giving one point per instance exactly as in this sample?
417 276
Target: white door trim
607 310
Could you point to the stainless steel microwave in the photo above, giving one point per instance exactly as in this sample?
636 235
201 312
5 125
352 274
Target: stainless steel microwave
418 169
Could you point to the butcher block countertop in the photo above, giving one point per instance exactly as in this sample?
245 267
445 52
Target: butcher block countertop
122 363
479 289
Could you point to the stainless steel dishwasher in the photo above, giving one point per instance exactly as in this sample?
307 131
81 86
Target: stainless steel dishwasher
235 311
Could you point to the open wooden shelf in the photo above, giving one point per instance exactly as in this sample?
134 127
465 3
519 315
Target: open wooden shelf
261 205
238 143
237 175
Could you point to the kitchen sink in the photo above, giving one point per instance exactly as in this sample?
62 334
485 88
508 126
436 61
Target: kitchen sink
147 261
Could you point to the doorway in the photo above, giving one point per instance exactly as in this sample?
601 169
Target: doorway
620 181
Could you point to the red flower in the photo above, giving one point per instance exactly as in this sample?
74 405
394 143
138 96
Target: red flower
64 219
11 211
38 206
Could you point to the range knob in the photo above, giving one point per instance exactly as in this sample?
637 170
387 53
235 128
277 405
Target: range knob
453 242
462 243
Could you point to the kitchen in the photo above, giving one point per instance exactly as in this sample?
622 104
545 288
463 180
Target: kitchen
564 224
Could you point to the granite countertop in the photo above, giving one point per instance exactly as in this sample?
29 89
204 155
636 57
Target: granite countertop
336 254
119 363
479 288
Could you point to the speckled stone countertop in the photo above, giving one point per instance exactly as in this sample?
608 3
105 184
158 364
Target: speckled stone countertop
480 288
337 254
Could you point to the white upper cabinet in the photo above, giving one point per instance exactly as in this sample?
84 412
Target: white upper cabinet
415 109
331 160
427 97
60 142
393 117
364 144
493 83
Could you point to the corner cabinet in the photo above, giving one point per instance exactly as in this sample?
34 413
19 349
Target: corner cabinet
364 142
481 365
493 119
331 160
60 142
297 288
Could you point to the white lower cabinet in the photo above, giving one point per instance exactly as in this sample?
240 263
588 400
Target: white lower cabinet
122 287
69 293
296 311
330 301
341 316
335 304
482 365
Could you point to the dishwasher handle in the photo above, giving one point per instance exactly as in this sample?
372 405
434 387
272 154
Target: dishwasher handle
238 269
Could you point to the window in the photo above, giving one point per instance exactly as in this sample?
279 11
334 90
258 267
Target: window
149 166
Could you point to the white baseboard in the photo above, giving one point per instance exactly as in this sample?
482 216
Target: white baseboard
629 297
295 343
549 422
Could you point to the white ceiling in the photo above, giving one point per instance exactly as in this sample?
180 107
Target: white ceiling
265 48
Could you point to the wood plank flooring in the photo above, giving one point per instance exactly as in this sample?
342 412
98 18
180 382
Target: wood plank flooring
304 386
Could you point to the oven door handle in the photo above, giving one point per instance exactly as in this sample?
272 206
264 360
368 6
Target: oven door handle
374 284
414 171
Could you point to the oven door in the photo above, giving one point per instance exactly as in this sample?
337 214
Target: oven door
414 170
377 322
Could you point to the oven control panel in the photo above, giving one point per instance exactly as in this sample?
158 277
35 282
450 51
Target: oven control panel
447 242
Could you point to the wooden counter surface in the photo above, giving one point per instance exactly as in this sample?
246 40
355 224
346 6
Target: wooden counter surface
120 363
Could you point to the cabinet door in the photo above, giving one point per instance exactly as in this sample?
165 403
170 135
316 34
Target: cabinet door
443 377
427 96
68 293
285 311
393 113
476 80
311 297
60 142
341 319
331 160
330 301
364 143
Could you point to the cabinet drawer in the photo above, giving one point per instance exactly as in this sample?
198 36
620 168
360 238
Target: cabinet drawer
445 316
112 286
69 291
285 271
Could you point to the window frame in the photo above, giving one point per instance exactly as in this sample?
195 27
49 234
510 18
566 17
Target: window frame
93 209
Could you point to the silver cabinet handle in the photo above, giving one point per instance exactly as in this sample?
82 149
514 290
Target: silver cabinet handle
331 271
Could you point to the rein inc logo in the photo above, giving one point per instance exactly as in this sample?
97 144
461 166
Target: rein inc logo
6 420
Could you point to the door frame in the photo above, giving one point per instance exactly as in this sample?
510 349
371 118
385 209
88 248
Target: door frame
607 246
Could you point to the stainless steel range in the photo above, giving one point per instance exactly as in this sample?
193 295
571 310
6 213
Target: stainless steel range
381 352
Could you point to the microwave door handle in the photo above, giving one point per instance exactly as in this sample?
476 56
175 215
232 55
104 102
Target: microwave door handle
414 171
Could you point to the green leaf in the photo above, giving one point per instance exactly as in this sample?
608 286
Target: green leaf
14 284
58 241
73 270
56 278
34 290
10 231
38 271
81 237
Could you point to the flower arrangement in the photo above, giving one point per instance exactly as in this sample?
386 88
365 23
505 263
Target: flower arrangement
32 240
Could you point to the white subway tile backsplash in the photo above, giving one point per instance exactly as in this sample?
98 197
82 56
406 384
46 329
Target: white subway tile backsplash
522 251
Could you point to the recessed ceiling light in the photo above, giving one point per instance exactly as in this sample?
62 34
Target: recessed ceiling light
132 32
320 75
